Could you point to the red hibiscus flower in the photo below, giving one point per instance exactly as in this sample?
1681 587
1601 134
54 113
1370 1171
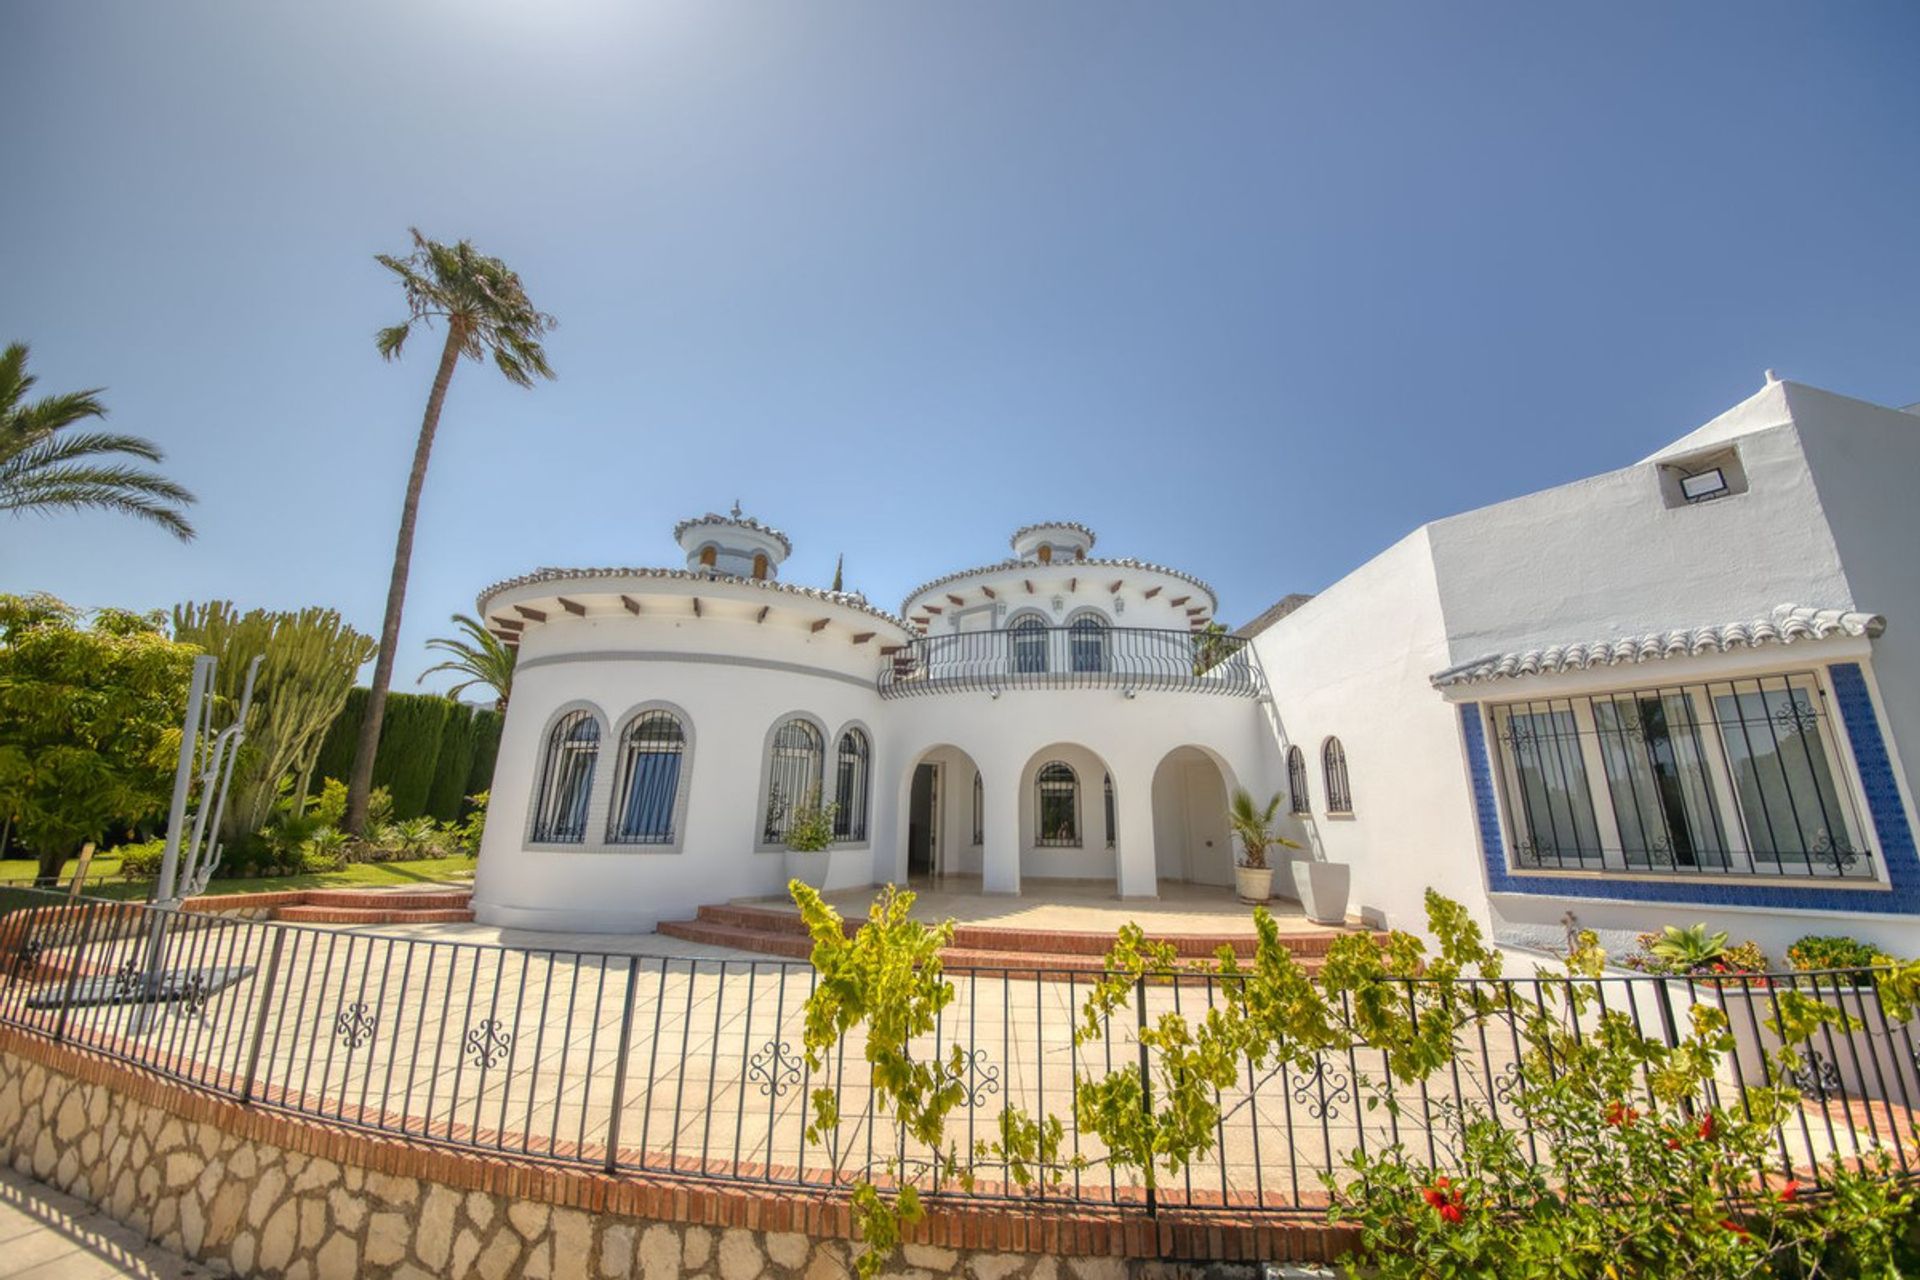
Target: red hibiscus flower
1706 1129
1730 1225
1791 1191
1450 1212
1620 1115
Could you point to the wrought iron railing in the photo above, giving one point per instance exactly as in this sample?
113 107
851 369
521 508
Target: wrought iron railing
693 1067
1082 657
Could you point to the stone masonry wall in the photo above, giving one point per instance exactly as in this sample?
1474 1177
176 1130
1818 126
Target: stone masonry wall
254 1193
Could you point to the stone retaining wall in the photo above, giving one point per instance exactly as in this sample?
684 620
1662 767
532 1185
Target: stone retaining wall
257 1193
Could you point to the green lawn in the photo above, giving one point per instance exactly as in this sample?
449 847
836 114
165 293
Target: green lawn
360 875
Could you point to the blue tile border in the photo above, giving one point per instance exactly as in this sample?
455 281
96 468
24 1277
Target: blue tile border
1889 816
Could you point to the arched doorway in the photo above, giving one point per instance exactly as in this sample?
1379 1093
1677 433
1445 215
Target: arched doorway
1191 838
945 815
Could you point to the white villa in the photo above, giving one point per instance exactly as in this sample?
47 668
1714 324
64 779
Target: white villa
1670 693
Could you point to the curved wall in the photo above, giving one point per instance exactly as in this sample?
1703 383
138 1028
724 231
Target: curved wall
734 681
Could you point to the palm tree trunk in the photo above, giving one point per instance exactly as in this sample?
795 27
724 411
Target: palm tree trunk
360 785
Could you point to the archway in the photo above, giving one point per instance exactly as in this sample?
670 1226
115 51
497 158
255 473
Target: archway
1191 838
943 815
1068 816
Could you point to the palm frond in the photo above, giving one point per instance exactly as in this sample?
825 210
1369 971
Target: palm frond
154 500
87 444
482 656
45 468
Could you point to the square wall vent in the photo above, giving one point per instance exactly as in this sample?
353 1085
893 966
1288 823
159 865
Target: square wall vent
1702 478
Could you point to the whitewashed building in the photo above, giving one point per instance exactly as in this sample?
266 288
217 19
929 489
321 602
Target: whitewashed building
1669 693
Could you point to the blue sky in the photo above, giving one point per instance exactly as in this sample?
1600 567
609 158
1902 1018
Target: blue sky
1252 288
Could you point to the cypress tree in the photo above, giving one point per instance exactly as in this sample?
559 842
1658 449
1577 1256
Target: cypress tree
448 791
409 750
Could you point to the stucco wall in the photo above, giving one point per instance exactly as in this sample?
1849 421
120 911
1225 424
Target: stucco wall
1865 461
1605 557
1355 662
714 669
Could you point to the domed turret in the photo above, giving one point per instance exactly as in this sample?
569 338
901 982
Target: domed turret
733 545
1053 541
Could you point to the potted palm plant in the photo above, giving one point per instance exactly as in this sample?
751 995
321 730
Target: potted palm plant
809 838
1253 878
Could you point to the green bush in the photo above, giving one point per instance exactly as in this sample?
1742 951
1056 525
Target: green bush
141 861
467 833
1816 952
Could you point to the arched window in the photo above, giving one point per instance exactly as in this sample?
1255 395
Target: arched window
1333 764
1056 807
1297 801
1045 554
1087 643
979 810
794 763
648 785
760 564
566 780
1029 632
1109 790
706 557
851 773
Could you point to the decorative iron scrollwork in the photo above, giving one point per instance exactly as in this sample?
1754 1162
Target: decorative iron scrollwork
979 1077
129 977
487 1044
1321 1090
1837 853
1798 716
190 997
1507 1083
353 1026
775 1068
1819 1079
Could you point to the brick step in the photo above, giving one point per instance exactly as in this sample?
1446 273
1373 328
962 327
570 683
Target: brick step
407 899
311 914
1018 952
714 934
1025 941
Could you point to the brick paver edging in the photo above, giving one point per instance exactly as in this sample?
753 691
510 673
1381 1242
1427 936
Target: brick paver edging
1037 1229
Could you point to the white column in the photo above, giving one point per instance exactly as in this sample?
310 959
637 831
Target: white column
1000 831
1133 833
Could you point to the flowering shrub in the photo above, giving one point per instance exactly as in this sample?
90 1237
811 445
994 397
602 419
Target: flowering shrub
1609 1158
1611 1163
1818 954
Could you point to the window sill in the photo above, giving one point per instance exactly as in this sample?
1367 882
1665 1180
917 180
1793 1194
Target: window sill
1855 884
602 848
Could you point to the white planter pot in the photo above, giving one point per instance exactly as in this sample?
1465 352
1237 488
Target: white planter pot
1255 884
1323 889
1876 1060
809 868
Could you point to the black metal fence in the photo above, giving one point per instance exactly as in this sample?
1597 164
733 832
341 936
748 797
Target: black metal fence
693 1067
1034 657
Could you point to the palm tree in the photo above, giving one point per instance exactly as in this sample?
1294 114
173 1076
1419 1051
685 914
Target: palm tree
42 470
487 313
481 657
1254 825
